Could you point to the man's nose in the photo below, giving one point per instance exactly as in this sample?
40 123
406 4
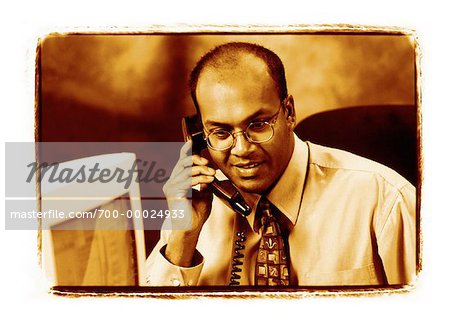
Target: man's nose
241 145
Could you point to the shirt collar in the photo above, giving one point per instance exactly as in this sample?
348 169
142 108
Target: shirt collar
286 195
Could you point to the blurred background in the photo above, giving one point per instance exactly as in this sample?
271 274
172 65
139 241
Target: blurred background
135 87
352 91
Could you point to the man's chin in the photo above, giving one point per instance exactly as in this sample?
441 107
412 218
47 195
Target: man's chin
251 186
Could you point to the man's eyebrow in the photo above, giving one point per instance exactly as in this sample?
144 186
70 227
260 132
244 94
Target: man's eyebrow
212 123
248 119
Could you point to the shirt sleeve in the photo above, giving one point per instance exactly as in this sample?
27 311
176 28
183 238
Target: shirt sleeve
161 272
397 239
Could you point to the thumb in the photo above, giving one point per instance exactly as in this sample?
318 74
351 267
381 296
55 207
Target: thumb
205 191
203 187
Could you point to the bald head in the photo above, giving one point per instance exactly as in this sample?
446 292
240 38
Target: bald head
239 59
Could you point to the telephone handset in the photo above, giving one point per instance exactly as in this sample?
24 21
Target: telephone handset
193 130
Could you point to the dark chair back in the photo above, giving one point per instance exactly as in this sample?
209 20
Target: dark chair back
386 134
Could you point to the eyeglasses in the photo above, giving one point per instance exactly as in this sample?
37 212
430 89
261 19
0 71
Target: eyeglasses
257 132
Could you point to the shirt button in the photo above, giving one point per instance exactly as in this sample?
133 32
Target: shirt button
176 282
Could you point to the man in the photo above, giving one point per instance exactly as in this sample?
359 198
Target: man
320 216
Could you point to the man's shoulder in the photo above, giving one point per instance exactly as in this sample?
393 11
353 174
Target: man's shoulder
332 159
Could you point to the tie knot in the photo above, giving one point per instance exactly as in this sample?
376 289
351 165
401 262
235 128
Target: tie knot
264 205
266 212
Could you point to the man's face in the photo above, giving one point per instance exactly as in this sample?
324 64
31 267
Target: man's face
231 100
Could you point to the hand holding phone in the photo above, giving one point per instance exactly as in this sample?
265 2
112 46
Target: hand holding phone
188 172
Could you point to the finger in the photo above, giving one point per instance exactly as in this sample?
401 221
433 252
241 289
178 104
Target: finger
181 165
178 188
204 187
198 160
202 179
190 172
182 178
186 150
186 176
204 191
192 160
188 162
205 170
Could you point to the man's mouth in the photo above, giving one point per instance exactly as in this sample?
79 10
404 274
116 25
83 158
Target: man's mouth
248 165
247 169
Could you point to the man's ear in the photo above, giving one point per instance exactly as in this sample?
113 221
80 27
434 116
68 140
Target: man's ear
290 112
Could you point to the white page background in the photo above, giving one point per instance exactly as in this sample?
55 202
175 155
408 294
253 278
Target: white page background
24 294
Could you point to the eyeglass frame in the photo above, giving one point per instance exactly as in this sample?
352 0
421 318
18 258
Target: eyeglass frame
274 120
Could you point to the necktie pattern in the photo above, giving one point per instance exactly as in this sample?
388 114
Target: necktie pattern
272 265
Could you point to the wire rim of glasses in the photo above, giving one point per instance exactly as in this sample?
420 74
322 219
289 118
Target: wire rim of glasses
232 140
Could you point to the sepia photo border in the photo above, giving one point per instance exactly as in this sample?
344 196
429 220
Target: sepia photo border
248 291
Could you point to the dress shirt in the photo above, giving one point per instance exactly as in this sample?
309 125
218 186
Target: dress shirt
351 222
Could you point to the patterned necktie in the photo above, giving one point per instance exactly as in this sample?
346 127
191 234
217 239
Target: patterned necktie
272 264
